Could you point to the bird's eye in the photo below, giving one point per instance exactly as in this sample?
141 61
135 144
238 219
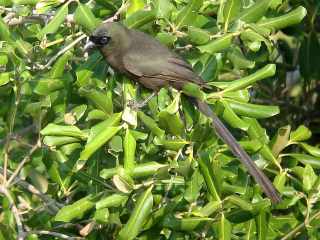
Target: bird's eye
104 40
99 40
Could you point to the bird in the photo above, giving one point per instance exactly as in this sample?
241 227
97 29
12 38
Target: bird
147 61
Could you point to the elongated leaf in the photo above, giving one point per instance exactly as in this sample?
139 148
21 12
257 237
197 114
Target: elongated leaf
217 45
114 200
129 151
75 210
302 133
286 20
230 11
99 140
139 18
311 149
188 13
138 217
60 130
84 17
253 110
255 12
57 20
262 73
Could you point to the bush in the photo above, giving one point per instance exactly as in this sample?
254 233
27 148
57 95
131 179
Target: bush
78 162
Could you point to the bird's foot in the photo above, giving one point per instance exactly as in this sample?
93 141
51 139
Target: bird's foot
135 105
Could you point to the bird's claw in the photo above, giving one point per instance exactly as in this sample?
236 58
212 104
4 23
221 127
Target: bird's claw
134 105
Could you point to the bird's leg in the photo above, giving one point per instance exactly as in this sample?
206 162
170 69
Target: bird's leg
140 104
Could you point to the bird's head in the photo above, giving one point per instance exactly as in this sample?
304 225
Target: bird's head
106 34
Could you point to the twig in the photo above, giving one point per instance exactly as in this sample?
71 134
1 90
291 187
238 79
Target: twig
15 212
55 234
62 51
19 133
52 204
116 15
23 162
294 231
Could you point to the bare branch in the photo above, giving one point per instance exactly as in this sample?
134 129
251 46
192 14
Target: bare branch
62 51
23 162
15 212
55 234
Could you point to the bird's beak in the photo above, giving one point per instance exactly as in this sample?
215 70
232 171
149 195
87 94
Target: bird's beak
89 45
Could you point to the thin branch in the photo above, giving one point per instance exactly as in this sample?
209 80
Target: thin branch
19 133
55 234
116 15
293 232
62 51
15 213
51 204
23 162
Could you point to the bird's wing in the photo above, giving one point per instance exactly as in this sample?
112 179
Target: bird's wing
170 68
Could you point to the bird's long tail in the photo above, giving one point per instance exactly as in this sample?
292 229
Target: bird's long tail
238 151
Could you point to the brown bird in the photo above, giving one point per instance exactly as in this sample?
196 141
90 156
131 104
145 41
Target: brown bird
147 61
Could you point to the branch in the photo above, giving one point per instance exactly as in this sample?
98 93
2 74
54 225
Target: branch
293 232
55 234
23 162
15 213
52 204
62 51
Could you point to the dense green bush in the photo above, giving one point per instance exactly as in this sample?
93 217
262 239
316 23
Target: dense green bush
78 162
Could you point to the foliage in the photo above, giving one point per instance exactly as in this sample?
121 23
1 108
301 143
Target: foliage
74 152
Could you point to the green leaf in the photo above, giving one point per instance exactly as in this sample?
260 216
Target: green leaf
230 10
232 118
280 181
253 110
207 173
134 6
238 60
85 18
194 186
99 99
163 8
193 90
99 140
267 71
151 124
56 21
198 36
187 14
53 141
302 133
115 200
139 19
75 210
58 68
60 130
262 225
286 20
5 34
217 45
311 149
309 178
255 12
138 217
129 145
101 215
46 86
305 159
281 140
4 78
224 229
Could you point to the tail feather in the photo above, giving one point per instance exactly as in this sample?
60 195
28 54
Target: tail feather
238 151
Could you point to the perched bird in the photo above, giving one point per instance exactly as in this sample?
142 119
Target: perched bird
145 60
